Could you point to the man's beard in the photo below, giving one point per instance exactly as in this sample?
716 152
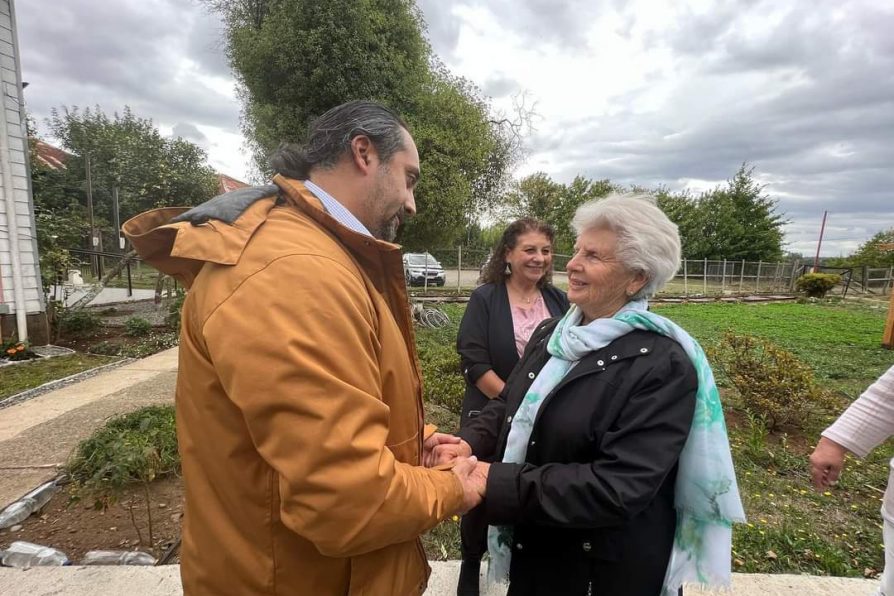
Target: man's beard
386 229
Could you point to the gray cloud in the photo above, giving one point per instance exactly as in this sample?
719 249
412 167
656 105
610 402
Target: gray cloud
500 85
207 44
443 26
565 23
131 55
189 132
810 103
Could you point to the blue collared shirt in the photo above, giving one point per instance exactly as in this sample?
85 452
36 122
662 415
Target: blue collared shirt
336 209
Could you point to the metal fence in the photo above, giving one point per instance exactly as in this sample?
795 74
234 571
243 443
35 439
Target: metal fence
462 268
89 266
696 277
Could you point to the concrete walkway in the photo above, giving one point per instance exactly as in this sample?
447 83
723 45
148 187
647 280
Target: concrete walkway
38 435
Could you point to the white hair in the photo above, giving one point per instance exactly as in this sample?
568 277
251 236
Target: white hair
647 240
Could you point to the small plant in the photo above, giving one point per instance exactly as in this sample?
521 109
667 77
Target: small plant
137 327
79 323
15 350
756 438
774 386
174 308
134 448
817 285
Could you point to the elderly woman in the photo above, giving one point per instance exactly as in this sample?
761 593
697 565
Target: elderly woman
516 296
614 474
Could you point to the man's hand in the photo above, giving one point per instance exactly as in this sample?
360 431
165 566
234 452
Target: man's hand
479 476
826 462
465 470
431 443
447 452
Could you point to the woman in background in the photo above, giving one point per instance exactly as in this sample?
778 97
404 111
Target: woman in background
516 296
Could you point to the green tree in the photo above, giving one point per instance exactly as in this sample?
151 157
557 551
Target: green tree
128 152
295 59
59 215
580 191
737 221
871 254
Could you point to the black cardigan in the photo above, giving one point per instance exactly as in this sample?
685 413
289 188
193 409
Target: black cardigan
486 339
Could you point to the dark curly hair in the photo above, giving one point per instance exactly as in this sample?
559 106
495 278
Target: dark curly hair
495 269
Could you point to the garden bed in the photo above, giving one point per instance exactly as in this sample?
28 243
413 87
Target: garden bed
75 527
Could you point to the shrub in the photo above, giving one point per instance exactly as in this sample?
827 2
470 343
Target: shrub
174 308
774 386
137 327
135 448
79 323
816 285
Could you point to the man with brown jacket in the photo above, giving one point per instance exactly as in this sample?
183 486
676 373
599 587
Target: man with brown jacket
299 408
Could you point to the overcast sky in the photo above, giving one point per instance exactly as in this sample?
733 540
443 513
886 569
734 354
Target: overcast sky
641 92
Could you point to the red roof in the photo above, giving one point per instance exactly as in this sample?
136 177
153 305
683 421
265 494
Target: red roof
50 156
55 158
226 183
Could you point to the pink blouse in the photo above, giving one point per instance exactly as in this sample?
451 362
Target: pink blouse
525 320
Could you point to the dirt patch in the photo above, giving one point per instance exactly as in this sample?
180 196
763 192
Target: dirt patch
75 527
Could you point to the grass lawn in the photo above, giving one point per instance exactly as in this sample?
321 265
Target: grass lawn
27 375
791 528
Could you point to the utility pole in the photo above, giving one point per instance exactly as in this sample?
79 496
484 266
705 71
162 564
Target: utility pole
116 214
93 242
819 243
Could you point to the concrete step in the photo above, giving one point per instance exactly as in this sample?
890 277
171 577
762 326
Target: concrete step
165 581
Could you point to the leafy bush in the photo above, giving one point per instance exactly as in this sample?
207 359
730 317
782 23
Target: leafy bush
79 323
135 447
442 382
137 327
816 285
774 386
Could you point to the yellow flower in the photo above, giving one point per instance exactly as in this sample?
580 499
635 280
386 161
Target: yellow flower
827 493
455 518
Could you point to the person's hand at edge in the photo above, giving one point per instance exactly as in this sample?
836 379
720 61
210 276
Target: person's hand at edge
826 463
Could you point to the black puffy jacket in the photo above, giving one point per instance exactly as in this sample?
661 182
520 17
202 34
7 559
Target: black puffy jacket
593 504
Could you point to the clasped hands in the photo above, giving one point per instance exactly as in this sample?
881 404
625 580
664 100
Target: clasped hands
440 449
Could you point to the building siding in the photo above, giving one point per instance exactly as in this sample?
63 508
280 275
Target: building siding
21 185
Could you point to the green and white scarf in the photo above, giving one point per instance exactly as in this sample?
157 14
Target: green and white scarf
706 494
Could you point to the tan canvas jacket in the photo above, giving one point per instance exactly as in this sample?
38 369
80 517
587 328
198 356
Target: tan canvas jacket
299 410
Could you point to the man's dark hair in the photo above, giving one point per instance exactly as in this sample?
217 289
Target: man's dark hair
329 137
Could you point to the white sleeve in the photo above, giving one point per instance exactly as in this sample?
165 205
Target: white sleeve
869 420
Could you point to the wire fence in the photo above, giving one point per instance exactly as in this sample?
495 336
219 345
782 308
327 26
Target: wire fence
459 270
696 277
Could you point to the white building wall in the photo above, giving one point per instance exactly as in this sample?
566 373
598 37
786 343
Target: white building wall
22 229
